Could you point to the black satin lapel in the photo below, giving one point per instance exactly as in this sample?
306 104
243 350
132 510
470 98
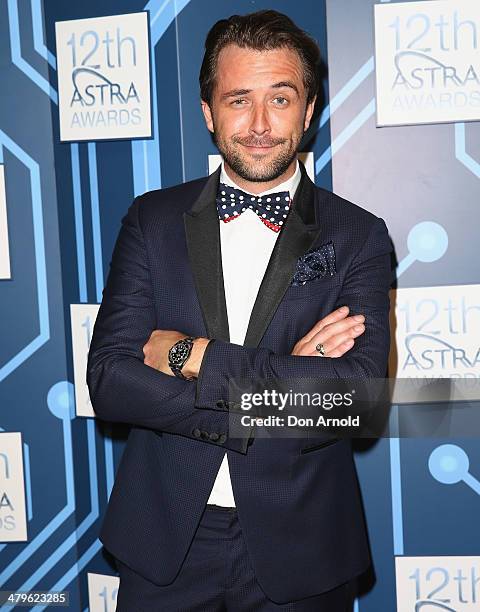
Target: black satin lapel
300 231
204 251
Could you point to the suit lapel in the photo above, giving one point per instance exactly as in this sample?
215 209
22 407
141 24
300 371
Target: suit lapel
297 236
202 229
203 242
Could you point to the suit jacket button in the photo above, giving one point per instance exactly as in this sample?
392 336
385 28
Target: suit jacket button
222 439
221 403
205 435
197 433
214 436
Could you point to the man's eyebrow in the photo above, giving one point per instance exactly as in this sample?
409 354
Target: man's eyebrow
243 92
236 92
285 84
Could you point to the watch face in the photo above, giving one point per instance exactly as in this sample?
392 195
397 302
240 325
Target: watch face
178 353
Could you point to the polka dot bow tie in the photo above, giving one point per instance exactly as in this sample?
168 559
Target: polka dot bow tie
272 209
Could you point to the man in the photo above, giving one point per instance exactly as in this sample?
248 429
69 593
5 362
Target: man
252 272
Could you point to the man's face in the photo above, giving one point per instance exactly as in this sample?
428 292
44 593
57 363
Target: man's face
258 112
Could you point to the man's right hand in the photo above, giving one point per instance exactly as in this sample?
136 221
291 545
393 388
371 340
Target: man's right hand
336 332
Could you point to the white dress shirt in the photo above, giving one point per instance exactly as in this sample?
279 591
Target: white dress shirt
248 241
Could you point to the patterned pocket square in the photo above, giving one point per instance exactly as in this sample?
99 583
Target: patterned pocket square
315 263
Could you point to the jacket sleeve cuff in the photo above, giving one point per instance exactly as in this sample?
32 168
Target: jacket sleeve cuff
222 363
212 389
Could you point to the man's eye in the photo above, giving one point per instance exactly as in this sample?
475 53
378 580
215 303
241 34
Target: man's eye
238 102
281 101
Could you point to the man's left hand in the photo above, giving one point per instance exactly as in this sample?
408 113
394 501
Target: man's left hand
161 341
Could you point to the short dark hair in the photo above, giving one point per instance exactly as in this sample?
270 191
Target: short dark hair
262 31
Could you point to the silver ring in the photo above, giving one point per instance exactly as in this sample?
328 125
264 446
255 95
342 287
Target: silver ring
321 349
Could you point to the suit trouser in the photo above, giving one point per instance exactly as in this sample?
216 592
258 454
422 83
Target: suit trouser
217 576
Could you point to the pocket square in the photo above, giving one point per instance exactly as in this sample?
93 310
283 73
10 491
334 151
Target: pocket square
315 263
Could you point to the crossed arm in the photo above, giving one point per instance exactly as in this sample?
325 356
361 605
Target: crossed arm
336 332
125 389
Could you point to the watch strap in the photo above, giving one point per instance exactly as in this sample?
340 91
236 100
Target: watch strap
177 369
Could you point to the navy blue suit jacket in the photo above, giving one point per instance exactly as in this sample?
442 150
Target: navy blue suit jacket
300 512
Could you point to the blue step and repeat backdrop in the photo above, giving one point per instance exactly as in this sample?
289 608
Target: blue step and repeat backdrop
99 102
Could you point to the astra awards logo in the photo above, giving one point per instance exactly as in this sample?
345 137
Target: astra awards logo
438 331
104 77
435 584
13 520
437 334
102 592
82 317
427 62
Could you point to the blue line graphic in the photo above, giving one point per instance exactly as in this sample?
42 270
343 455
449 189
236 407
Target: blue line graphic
461 152
60 402
347 90
16 53
96 229
396 487
38 35
109 463
427 242
80 238
73 572
180 104
28 481
40 264
146 153
345 136
449 464
73 538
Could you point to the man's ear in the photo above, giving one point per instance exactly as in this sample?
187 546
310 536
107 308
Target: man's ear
309 113
207 113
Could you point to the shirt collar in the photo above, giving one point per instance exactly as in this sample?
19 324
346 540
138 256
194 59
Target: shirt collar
289 185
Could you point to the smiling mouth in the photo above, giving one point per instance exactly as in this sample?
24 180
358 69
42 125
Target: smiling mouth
260 148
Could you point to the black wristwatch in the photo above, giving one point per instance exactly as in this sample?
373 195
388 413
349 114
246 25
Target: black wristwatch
178 355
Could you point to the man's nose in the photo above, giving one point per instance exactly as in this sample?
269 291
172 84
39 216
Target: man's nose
259 124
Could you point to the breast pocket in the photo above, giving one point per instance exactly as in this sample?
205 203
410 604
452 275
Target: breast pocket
322 285
319 444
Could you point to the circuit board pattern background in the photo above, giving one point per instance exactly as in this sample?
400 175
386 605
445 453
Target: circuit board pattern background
65 202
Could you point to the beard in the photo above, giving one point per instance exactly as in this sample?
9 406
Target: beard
263 168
